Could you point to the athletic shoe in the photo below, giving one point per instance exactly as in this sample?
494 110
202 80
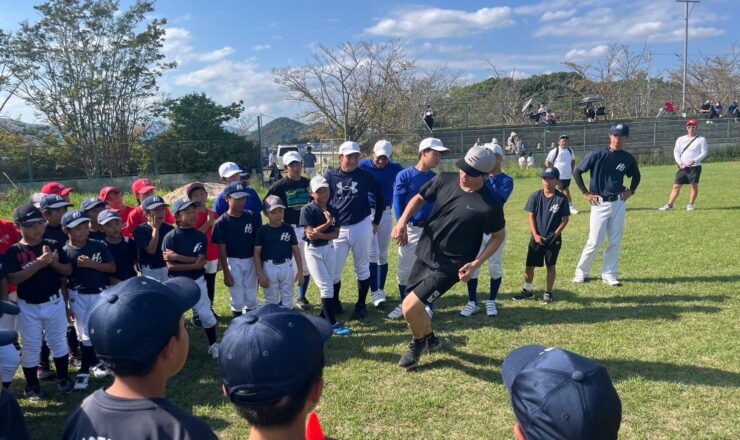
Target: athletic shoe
690 207
666 207
33 394
302 304
433 343
611 280
397 313
65 385
196 321
359 313
339 330
491 308
82 381
526 294
573 209
579 279
213 350
470 308
378 299
100 371
44 373
547 298
410 359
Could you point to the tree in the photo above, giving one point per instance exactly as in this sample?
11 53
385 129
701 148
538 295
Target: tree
91 70
711 77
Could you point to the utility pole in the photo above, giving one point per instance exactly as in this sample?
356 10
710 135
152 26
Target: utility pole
685 51
259 140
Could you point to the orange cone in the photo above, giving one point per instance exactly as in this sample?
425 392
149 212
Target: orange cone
313 428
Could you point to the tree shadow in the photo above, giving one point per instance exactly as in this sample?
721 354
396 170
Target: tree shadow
621 370
572 297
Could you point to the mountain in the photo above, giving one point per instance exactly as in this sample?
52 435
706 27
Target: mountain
280 131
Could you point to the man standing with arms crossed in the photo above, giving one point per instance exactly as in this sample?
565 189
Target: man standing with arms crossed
607 195
689 151
564 160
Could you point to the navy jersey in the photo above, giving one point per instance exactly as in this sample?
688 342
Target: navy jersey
188 242
142 236
86 279
277 243
237 233
55 233
350 195
44 283
125 255
385 176
407 185
295 194
253 203
548 211
608 169
312 215
501 186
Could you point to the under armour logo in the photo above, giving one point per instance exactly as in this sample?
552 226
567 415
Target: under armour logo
97 258
554 208
285 236
198 247
621 167
248 228
351 188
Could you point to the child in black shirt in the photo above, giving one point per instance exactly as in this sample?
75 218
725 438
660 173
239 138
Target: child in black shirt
148 238
122 248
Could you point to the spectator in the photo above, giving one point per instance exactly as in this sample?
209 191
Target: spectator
550 118
706 109
309 163
733 111
716 110
589 112
429 118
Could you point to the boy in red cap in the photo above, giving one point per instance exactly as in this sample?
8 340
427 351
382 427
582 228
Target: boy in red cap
142 188
112 197
57 188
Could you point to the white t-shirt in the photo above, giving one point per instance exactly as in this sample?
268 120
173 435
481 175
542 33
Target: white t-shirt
696 152
563 162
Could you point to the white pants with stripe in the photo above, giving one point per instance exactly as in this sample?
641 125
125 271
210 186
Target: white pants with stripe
382 238
607 221
357 238
81 305
203 307
282 279
320 262
42 321
159 274
407 254
495 263
244 291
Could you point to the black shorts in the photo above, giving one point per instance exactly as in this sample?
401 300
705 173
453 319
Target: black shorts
564 184
543 255
688 175
428 283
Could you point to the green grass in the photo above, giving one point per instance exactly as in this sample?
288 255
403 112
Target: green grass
668 336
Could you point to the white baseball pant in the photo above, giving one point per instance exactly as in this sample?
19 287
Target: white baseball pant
299 232
244 291
382 238
282 279
203 307
46 321
320 262
9 361
159 274
8 322
606 221
495 263
81 305
407 254
356 237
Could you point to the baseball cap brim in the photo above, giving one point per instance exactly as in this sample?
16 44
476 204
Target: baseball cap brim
65 191
275 206
77 222
9 308
155 206
108 219
238 195
7 337
56 205
469 170
182 207
437 148
145 189
195 186
516 361
108 190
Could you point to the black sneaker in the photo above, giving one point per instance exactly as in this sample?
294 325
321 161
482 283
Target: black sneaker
303 304
526 294
433 343
65 385
359 313
410 359
33 394
547 298
196 321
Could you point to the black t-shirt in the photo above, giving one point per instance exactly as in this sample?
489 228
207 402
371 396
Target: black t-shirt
237 233
85 279
188 243
104 416
277 243
12 424
349 195
55 233
142 236
97 235
608 169
295 194
125 255
312 215
548 212
455 228
44 283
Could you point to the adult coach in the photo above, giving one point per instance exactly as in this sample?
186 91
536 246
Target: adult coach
385 171
689 151
464 210
309 162
349 187
562 158
607 195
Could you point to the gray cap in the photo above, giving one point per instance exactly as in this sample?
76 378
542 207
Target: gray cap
478 161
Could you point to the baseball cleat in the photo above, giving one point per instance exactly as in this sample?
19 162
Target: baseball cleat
611 281
491 309
433 343
396 313
340 330
378 298
82 382
690 207
470 308
100 371
547 298
213 350
33 394
410 359
303 304
579 279
666 207
526 294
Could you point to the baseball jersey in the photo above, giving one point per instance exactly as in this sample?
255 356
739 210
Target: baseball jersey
142 237
237 233
607 169
55 232
201 219
501 186
295 194
188 242
548 211
137 217
277 243
86 279
102 416
312 215
253 203
96 235
408 184
44 283
125 255
562 159
350 195
385 176
455 227
697 151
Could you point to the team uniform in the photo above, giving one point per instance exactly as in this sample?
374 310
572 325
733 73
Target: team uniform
125 255
549 212
562 159
238 234
319 253
152 265
276 245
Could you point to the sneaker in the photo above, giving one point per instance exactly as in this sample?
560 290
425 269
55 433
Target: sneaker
491 308
690 207
196 321
33 394
410 359
666 207
573 209
378 299
433 343
397 313
579 279
302 304
74 361
339 330
100 371
66 385
359 313
547 298
470 308
526 294
611 280
43 372
82 381
213 350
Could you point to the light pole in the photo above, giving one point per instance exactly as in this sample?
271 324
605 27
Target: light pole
685 51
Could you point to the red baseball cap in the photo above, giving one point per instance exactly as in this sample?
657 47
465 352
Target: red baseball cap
56 188
141 186
693 122
107 190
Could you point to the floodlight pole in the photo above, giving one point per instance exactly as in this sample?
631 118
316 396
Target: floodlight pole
685 51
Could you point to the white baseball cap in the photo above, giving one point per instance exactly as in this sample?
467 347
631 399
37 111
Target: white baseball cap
318 182
496 148
383 148
478 161
228 169
349 147
432 143
494 141
290 157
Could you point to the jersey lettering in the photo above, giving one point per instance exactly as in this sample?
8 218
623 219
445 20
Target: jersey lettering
285 236
621 167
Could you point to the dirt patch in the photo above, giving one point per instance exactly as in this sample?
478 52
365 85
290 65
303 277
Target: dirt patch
213 189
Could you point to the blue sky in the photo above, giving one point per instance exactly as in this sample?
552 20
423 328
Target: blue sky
226 48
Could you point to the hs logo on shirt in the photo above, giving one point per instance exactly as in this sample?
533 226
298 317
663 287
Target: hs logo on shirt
248 228
554 208
621 167
96 257
198 247
285 236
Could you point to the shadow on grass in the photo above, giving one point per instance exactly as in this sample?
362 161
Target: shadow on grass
677 208
686 279
620 370
575 298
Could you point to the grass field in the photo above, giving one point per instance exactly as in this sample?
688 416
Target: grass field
668 337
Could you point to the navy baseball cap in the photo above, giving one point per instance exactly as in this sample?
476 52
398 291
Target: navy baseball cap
108 215
135 319
91 203
181 204
7 307
620 130
74 218
271 352
7 337
557 394
152 202
550 173
53 201
26 214
236 190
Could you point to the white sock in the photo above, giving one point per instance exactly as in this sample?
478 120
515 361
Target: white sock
528 286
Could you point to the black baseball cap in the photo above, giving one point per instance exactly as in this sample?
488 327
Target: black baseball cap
236 190
26 214
74 218
53 201
181 204
91 203
550 173
620 130
134 320
153 202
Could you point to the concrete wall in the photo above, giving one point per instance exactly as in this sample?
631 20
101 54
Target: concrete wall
123 183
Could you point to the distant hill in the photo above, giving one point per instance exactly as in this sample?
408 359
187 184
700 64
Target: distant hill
281 131
33 134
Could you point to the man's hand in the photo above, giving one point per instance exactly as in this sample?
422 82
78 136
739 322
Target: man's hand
593 199
264 281
626 194
466 272
400 234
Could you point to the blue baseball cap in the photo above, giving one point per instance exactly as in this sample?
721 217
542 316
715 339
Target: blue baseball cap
74 218
134 320
53 201
107 215
271 352
550 173
620 130
236 190
91 203
181 204
557 394
7 337
153 202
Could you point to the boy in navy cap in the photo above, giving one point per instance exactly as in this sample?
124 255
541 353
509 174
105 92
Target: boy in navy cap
184 250
122 248
92 263
139 333
149 236
271 364
92 207
12 424
559 395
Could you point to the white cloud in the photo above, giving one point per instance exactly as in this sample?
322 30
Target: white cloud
215 55
178 47
557 15
277 37
440 23
260 47
547 6
582 54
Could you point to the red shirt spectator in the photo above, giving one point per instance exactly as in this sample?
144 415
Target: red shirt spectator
142 188
112 197
9 236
